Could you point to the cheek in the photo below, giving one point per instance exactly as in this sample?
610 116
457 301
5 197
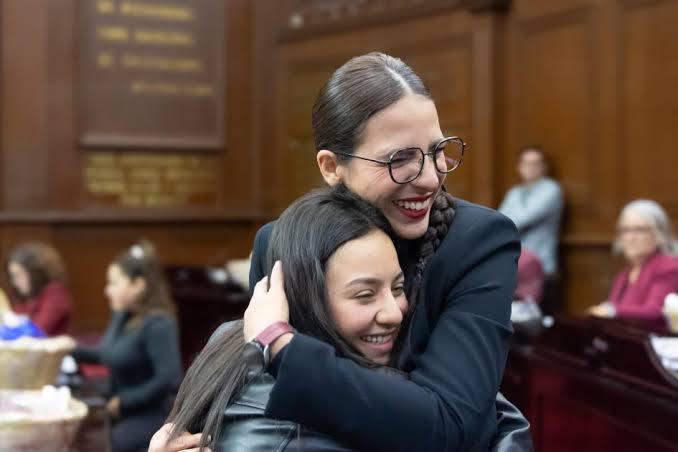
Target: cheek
353 321
372 184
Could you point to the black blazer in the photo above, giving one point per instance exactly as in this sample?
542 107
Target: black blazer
455 355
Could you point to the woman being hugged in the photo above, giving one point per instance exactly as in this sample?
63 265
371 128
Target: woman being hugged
140 348
345 288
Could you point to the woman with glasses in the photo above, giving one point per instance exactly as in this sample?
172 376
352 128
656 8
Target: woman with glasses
645 240
376 132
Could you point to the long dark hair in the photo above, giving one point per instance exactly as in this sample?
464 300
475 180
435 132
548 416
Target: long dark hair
304 238
360 88
42 263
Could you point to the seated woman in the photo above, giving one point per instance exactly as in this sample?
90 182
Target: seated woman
140 347
530 277
36 273
344 286
644 238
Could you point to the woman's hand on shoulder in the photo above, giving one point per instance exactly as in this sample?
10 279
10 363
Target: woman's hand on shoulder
267 306
183 443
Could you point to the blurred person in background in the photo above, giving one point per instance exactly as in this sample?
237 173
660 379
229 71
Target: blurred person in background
140 348
37 278
535 206
645 240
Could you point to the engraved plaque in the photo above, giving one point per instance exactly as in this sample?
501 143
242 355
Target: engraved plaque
151 73
151 179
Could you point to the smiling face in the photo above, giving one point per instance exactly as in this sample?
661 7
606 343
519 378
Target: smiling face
636 236
412 121
365 294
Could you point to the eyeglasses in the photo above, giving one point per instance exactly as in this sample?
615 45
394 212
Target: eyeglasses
405 165
635 230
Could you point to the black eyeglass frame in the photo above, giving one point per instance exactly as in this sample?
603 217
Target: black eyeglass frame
423 158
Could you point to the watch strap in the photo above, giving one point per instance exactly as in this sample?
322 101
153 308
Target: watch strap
273 332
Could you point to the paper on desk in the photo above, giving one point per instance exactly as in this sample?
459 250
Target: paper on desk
666 349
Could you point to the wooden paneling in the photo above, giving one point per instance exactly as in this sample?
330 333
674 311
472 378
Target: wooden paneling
44 196
649 100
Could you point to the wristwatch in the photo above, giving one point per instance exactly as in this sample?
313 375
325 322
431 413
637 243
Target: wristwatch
257 353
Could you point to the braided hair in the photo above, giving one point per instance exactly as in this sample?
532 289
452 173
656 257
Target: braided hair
440 219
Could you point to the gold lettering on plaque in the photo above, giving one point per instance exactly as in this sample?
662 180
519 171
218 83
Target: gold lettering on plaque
105 59
172 89
164 38
153 11
150 180
105 6
134 61
115 34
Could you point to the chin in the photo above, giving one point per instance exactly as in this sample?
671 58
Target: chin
382 360
411 231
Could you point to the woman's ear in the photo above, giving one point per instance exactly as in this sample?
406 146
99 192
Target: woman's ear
329 167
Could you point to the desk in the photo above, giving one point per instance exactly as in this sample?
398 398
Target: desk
593 384
94 432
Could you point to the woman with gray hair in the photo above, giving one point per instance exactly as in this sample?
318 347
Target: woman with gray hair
645 240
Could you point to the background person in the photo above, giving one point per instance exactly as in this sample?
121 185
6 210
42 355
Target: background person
645 240
37 277
140 347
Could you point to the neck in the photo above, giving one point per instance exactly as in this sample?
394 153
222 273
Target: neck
637 262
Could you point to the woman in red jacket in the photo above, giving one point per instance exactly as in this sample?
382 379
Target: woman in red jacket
644 239
36 273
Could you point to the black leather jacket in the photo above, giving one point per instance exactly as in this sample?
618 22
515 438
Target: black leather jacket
245 428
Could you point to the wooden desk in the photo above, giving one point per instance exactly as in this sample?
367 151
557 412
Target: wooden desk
203 303
94 432
590 384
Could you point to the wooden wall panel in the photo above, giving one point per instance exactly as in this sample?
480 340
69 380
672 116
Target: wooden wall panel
553 88
649 107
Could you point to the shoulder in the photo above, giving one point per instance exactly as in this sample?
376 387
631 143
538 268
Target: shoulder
159 322
473 220
263 235
550 184
514 191
665 265
57 290
477 233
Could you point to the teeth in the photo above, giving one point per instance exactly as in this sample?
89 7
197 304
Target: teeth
377 339
413 205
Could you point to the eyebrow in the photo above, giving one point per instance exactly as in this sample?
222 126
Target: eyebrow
371 281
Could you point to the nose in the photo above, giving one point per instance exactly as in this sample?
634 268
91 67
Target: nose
430 178
389 313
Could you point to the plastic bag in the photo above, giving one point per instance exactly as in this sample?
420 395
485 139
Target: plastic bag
13 326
